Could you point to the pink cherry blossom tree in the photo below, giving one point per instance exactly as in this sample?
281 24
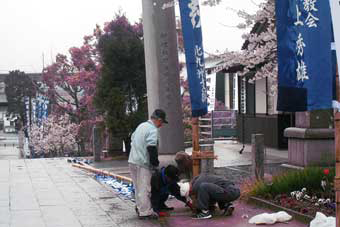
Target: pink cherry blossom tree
259 52
57 136
70 84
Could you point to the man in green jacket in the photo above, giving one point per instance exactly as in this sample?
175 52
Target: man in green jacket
143 159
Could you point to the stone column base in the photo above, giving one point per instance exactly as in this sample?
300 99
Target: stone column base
310 146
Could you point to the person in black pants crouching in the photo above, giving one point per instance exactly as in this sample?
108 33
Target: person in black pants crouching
163 184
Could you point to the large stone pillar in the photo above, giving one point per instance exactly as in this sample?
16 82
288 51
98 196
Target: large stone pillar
162 71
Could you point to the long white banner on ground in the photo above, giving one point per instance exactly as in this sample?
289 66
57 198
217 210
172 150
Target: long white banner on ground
335 9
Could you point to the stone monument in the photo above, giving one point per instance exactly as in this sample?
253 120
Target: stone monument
311 142
162 70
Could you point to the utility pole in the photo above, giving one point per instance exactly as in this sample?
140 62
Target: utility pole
162 70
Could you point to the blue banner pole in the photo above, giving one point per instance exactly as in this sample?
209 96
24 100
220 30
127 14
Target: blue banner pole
194 55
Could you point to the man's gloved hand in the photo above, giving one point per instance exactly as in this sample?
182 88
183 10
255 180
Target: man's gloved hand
189 204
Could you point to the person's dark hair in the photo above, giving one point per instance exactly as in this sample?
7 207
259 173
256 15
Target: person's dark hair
172 172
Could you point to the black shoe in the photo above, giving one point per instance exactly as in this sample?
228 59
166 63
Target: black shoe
203 215
166 208
153 216
212 208
228 211
222 205
137 211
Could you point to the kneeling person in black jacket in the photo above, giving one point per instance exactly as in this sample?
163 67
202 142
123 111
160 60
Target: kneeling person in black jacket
163 184
211 189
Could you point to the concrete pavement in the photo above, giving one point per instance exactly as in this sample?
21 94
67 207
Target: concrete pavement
228 154
9 153
8 146
52 193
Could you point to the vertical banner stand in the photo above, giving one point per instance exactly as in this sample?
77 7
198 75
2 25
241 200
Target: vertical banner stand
195 147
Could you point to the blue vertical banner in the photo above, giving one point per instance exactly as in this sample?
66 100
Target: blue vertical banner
41 109
38 110
304 55
194 55
45 108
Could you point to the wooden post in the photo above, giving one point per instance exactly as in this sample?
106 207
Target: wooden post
195 150
97 144
337 167
337 152
257 141
207 165
195 146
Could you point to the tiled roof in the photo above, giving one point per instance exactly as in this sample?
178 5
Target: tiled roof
34 76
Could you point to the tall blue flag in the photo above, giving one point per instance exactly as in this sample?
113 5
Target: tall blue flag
304 55
194 55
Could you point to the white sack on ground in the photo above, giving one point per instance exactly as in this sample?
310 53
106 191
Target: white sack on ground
266 218
322 220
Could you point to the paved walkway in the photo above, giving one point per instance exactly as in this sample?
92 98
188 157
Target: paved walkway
52 193
8 146
228 154
9 152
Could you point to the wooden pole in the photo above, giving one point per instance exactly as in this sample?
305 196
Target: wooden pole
337 153
195 146
257 150
103 172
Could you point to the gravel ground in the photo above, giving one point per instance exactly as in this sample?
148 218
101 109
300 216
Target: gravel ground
238 174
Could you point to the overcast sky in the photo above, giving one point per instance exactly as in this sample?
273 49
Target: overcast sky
33 28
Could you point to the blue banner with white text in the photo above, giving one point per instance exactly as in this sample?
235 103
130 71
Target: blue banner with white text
304 55
194 55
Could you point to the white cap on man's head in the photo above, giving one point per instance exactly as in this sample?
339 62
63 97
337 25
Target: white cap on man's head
184 188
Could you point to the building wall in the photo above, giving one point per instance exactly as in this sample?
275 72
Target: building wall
261 96
227 92
260 115
220 87
271 126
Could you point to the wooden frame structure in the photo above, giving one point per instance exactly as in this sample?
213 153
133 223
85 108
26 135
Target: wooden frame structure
197 155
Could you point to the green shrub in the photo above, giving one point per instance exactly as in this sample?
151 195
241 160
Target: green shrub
309 178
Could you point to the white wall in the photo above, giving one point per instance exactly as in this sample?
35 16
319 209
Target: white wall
260 96
227 91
